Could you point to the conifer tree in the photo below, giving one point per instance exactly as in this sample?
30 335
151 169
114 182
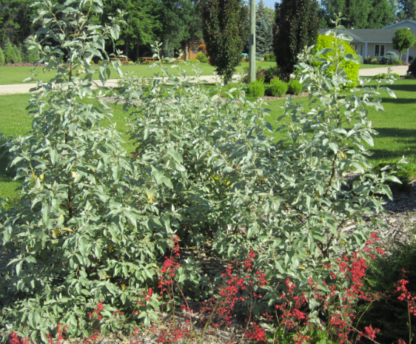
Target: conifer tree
264 32
9 53
296 26
225 33
2 60
17 56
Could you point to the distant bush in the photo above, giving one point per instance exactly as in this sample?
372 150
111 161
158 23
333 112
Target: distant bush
374 60
294 87
256 89
391 58
9 53
2 60
278 88
351 68
193 61
202 57
269 57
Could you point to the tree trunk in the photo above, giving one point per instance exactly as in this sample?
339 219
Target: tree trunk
137 52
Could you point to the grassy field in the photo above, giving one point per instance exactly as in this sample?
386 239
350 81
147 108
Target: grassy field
396 126
16 75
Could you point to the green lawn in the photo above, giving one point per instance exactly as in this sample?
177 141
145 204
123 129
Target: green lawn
16 75
396 126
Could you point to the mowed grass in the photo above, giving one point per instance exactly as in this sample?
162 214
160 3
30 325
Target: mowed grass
396 126
16 75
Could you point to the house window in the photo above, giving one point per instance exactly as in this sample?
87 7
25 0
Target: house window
195 49
379 50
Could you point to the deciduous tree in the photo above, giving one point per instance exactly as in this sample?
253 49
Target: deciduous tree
225 34
403 39
296 27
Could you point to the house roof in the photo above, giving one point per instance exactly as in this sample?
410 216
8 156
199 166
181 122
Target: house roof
369 35
398 23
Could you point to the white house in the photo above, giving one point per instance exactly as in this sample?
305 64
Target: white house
377 42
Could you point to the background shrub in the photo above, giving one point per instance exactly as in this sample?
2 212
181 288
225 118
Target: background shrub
269 57
202 57
351 68
2 59
278 88
294 87
17 55
256 89
193 61
412 68
391 58
9 53
374 60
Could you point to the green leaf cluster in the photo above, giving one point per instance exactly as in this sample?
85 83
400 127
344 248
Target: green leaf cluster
332 47
2 59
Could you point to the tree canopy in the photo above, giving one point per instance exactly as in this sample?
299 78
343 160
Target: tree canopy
359 14
403 39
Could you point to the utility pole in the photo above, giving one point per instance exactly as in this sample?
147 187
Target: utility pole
252 42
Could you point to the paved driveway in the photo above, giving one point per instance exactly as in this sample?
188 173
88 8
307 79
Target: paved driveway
24 88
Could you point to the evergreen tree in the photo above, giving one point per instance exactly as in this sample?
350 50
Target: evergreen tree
383 13
264 32
225 34
17 55
296 27
2 59
9 53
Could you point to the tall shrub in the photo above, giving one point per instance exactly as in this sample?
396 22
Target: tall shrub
73 243
296 26
348 62
403 39
9 53
225 32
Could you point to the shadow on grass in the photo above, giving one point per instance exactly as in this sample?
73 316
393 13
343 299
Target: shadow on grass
404 143
399 101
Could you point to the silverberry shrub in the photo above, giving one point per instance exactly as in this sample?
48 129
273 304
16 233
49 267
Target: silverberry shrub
92 225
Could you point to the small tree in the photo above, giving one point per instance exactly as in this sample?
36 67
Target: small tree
296 26
17 56
9 53
2 60
225 33
403 39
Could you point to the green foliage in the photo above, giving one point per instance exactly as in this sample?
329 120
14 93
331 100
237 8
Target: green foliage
264 32
256 89
92 224
29 55
9 53
371 14
269 57
17 55
194 61
202 57
349 64
225 34
374 60
294 87
403 39
297 26
2 58
391 58
388 313
278 88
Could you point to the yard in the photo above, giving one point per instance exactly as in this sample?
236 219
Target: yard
16 75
